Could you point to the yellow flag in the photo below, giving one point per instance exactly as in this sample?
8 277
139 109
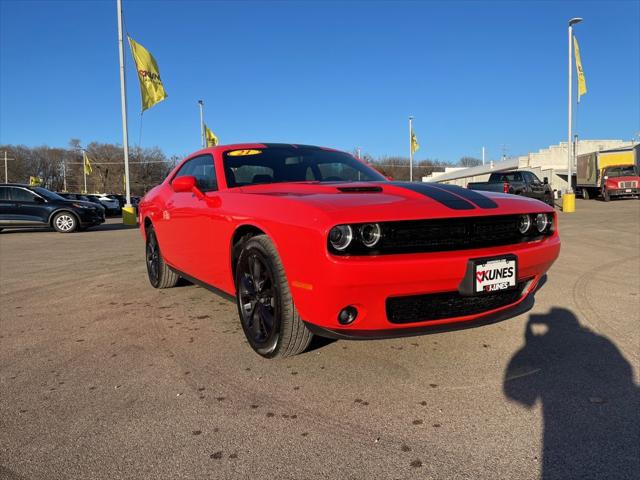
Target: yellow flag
414 143
212 140
35 181
151 88
582 84
88 169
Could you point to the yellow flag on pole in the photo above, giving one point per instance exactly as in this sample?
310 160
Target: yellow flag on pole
212 140
151 88
35 181
582 84
88 169
414 142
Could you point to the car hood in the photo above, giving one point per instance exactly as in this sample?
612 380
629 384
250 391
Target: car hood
380 201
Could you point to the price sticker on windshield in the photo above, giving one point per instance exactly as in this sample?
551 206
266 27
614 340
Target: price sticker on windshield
243 153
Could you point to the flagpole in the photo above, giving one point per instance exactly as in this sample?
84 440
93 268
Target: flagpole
123 103
570 105
84 169
202 139
410 150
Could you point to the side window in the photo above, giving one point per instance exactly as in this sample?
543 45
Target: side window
21 195
4 193
533 178
203 169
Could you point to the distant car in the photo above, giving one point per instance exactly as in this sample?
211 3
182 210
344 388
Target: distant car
23 206
111 204
519 182
83 198
311 240
122 200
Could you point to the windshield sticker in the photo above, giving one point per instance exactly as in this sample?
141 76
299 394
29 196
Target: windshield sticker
242 153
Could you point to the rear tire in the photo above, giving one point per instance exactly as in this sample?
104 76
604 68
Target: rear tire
585 194
267 314
65 222
160 275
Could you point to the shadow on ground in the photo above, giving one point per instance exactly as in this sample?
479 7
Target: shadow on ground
588 396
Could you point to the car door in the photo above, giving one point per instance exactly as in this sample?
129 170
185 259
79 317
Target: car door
189 229
7 208
29 208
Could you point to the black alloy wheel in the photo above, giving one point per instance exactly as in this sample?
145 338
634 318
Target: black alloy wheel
268 316
259 308
160 275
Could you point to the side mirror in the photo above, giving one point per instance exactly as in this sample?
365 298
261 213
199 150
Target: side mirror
545 180
389 177
186 184
39 199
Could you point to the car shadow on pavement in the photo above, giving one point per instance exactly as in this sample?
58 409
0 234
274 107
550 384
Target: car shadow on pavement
589 400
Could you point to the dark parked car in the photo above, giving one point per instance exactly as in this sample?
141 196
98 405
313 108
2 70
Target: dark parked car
518 182
25 206
83 198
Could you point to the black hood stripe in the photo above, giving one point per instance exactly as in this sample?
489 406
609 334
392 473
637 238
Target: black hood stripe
471 195
442 196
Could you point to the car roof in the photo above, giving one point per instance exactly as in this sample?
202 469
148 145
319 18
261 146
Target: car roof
260 145
16 185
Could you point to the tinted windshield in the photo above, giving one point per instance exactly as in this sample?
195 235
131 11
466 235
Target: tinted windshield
294 164
48 194
627 171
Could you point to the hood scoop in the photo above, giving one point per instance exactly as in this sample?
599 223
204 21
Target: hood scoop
361 189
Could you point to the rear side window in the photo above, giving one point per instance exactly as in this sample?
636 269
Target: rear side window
21 195
4 193
203 170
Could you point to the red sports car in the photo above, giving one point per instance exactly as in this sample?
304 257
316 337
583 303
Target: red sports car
311 240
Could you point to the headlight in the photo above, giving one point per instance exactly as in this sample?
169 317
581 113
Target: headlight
524 223
370 234
79 205
542 222
340 237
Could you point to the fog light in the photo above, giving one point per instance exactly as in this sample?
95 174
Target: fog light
347 315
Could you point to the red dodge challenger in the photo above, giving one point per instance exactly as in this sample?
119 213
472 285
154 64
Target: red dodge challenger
311 240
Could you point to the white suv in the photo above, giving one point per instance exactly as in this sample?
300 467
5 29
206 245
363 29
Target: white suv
110 204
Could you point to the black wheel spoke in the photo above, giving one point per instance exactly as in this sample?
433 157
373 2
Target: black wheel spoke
266 317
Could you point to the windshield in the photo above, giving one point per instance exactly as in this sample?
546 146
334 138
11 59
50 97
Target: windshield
626 171
48 194
294 164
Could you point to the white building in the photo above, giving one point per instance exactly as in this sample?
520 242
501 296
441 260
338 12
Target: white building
549 162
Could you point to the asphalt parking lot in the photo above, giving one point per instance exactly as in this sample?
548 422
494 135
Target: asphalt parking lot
103 377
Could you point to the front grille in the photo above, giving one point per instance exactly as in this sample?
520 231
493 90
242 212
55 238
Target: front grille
438 306
451 234
628 184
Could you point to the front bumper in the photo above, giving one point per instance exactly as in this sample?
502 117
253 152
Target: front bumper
368 282
91 217
624 192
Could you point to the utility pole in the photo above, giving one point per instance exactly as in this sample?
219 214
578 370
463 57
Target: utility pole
358 150
482 155
202 137
6 175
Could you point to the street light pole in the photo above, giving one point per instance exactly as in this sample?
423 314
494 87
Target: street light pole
202 139
570 151
6 175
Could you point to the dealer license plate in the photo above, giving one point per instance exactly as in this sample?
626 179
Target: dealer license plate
495 275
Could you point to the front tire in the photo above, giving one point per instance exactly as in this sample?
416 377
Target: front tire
605 195
268 316
65 222
159 273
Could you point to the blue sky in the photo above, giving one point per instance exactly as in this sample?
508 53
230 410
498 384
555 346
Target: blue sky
339 74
